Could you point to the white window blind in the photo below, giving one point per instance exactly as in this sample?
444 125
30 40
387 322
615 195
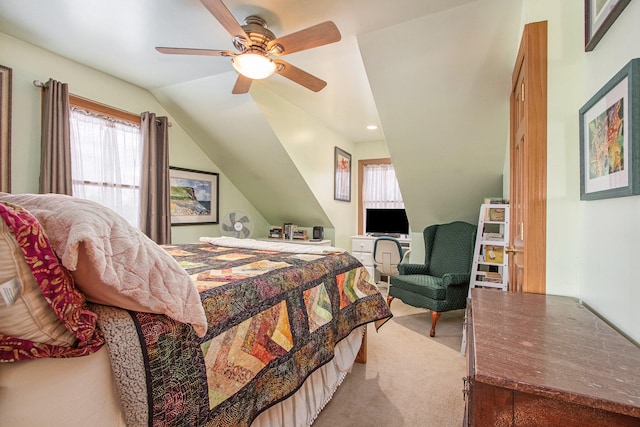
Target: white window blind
106 157
380 187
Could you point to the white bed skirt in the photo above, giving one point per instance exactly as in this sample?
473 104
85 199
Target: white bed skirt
301 409
81 391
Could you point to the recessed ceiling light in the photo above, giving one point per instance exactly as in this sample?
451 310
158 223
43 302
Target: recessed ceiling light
372 127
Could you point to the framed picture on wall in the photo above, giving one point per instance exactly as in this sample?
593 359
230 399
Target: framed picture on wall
342 175
599 15
5 129
610 138
194 196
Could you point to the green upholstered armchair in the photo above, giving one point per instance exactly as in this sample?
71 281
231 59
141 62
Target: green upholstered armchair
442 282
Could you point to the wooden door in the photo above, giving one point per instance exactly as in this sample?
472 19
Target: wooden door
528 163
516 259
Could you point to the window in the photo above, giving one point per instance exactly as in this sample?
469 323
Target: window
106 157
378 187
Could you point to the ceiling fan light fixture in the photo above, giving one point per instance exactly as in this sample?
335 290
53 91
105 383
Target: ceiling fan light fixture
254 65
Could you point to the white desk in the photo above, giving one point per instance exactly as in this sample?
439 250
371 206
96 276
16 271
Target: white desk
362 249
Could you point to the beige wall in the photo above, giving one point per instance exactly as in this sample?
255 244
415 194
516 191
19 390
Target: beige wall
31 63
610 230
590 244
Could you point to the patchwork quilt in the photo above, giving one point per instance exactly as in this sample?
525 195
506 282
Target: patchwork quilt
273 317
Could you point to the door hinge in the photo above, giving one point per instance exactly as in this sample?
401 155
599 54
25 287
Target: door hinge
522 91
465 388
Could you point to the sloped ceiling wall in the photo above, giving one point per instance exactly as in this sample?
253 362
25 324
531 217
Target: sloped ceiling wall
237 137
441 84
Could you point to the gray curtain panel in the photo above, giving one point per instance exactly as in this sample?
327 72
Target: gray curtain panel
55 168
155 216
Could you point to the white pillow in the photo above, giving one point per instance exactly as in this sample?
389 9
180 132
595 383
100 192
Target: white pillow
24 312
131 270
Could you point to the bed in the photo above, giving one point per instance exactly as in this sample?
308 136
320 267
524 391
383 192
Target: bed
281 329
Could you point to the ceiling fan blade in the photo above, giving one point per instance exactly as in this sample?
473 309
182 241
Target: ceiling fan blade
243 84
317 35
299 76
189 51
224 16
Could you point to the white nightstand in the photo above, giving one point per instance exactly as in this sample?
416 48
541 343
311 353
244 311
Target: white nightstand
325 242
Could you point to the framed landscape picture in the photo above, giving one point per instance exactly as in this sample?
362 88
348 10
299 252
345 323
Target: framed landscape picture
342 175
610 138
194 196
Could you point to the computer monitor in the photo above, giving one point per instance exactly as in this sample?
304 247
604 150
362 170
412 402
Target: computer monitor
386 221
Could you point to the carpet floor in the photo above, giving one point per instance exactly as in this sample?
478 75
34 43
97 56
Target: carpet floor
410 379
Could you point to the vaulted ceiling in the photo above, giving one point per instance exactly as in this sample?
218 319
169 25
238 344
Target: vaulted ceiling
434 75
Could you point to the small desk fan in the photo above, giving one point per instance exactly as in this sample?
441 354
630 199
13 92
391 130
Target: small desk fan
236 224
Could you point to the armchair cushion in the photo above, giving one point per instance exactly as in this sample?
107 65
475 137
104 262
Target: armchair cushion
422 284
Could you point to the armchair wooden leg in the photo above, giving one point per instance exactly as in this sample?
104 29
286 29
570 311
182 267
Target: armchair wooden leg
434 319
389 299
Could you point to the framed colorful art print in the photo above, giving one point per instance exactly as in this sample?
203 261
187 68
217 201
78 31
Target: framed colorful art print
610 138
342 175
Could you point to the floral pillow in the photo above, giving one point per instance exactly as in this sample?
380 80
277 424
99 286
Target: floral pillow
41 312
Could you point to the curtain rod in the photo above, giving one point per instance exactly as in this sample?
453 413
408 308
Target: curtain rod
38 83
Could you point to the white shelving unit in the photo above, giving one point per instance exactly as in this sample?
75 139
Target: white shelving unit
491 261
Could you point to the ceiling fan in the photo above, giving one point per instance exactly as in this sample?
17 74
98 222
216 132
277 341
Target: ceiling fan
257 44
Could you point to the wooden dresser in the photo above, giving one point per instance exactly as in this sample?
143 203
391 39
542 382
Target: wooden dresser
541 360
